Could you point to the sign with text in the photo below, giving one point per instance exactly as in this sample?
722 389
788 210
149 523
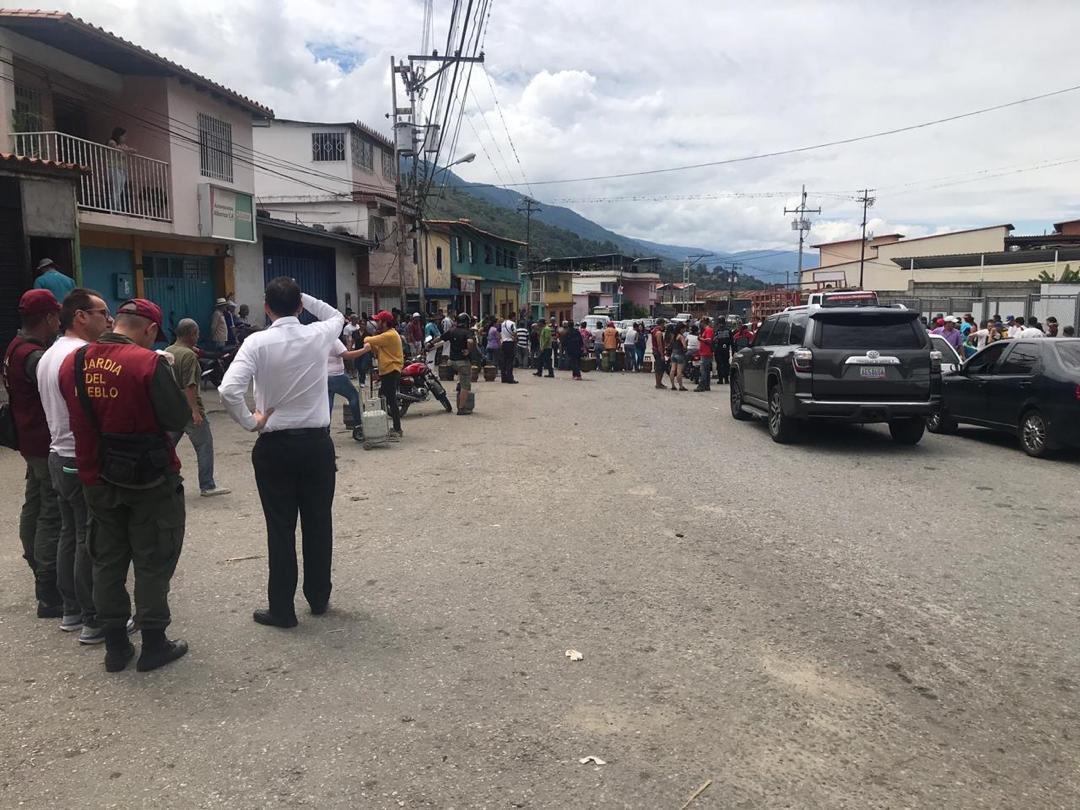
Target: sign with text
467 285
226 214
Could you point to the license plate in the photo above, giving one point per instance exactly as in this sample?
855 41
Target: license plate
874 372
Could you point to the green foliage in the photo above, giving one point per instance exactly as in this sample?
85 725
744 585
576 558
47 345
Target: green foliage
1068 276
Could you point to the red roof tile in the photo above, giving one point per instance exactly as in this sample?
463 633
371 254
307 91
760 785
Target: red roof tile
8 159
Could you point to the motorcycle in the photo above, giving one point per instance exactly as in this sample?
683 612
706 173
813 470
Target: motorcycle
417 383
213 364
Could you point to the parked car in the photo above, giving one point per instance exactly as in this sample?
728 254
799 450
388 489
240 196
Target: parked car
683 317
858 365
950 359
1027 387
596 324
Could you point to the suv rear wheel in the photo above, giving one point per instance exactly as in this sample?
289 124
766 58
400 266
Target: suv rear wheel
782 428
737 411
907 431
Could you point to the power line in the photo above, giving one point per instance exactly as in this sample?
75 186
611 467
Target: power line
506 129
812 147
491 133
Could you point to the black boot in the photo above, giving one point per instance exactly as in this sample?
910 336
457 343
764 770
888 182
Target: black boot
118 649
157 651
50 605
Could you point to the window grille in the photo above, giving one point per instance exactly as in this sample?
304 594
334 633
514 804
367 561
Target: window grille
215 148
327 146
363 153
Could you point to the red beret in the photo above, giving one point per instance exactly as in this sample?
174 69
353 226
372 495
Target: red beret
143 308
38 302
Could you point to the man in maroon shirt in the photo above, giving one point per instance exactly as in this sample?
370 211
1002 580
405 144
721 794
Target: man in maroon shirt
39 522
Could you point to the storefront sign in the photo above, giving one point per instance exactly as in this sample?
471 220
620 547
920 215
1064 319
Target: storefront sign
467 285
226 214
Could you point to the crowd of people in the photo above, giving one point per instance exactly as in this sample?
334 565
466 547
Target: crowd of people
967 336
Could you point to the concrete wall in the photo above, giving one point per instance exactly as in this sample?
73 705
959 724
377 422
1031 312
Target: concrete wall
292 143
436 277
48 207
185 104
839 253
640 292
983 240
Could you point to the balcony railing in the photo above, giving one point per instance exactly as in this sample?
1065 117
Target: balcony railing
117 182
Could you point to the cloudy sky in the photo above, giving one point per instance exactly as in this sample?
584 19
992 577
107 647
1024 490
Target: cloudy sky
594 87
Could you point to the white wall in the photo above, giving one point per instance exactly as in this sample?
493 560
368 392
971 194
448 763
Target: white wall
292 143
185 104
248 277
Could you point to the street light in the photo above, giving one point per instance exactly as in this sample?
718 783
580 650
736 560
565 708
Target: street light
469 158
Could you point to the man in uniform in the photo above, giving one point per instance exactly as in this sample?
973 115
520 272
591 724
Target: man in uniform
123 399
39 523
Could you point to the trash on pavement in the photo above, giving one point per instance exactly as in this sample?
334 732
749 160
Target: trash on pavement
574 655
592 759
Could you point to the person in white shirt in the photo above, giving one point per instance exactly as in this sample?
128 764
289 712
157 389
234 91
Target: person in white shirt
293 457
507 350
1016 326
1031 330
84 317
338 382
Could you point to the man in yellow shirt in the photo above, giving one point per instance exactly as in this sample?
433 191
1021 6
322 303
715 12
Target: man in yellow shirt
390 357
611 344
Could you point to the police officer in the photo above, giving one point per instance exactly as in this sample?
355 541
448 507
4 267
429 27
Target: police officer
39 523
123 400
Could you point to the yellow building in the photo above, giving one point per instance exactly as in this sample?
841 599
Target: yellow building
551 294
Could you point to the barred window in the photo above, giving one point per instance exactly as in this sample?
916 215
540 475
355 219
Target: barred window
327 146
388 165
377 229
363 153
215 148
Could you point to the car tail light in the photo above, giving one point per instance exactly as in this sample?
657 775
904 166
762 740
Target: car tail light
1076 393
803 360
935 361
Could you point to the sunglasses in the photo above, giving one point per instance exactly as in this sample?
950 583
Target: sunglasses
103 311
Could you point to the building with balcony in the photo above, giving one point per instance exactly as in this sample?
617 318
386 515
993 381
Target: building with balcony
159 212
550 293
342 177
483 268
609 281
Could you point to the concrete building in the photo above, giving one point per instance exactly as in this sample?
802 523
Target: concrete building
550 294
609 281
483 267
344 179
322 262
38 220
162 219
892 262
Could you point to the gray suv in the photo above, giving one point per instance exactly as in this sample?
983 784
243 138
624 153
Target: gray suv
858 365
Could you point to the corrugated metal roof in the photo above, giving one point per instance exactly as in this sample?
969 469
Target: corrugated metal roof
29 21
464 223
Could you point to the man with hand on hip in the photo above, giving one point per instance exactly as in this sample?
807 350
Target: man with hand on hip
293 457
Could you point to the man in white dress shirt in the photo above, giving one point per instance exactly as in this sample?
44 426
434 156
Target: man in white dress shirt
293 457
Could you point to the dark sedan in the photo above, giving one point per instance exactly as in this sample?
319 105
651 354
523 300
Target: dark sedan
1027 387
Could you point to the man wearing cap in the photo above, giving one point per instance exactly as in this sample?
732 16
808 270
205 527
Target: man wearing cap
388 353
50 278
84 317
219 328
293 457
123 401
39 522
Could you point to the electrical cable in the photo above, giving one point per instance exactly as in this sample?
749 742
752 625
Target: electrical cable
506 129
811 147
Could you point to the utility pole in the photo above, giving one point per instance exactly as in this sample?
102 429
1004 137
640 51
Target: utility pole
732 276
529 206
802 225
407 143
866 201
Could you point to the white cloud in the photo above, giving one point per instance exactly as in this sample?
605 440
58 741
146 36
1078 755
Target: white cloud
590 87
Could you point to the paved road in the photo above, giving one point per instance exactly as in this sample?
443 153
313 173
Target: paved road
844 623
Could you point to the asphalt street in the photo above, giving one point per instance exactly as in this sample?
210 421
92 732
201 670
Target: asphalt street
840 623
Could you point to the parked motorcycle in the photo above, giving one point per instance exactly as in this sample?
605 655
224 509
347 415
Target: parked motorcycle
418 382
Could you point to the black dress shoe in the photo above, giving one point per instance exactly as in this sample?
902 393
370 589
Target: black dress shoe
319 610
160 656
116 659
270 620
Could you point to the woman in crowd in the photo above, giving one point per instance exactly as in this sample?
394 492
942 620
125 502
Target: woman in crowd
679 354
494 341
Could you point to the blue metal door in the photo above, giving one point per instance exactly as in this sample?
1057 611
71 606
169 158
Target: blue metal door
312 267
183 286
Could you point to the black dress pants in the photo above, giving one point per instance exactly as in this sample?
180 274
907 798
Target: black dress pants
295 475
506 360
388 390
